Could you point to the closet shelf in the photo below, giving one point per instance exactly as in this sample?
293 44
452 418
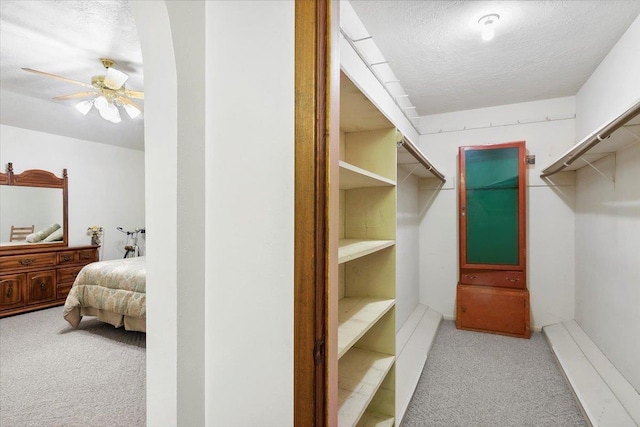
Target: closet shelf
621 132
370 419
411 159
350 249
356 315
360 374
354 177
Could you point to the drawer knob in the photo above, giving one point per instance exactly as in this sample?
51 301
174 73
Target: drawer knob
10 291
42 287
512 280
469 277
464 309
66 257
27 261
86 256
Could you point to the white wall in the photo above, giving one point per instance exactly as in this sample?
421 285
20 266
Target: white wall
106 183
247 328
550 206
608 215
250 147
407 249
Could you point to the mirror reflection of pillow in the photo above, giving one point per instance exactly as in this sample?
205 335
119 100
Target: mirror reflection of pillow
54 237
41 234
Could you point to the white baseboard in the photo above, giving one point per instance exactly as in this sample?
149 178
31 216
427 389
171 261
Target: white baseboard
413 343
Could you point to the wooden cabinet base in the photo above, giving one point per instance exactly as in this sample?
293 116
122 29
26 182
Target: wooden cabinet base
36 278
495 310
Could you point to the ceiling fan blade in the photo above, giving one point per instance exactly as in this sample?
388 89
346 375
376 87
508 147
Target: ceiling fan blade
135 94
132 109
76 95
64 79
114 79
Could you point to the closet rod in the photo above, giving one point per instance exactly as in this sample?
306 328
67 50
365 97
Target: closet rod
592 140
415 152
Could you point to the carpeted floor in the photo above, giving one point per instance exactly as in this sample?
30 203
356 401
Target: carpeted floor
478 379
54 375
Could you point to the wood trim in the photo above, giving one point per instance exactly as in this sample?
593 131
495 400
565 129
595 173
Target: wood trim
44 179
462 219
314 250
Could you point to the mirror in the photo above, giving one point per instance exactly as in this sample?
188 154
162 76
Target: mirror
35 198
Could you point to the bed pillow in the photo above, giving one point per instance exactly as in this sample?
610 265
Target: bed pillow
41 234
55 236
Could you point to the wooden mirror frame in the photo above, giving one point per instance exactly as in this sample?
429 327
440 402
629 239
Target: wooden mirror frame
43 179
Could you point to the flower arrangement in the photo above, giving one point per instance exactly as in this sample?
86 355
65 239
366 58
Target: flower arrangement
95 231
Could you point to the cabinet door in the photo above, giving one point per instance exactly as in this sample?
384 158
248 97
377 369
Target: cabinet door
12 293
41 286
492 214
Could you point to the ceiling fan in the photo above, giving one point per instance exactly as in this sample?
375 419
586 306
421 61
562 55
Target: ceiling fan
107 92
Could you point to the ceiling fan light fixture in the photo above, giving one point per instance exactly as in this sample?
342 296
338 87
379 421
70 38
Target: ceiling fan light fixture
114 79
84 107
101 103
108 111
132 111
488 24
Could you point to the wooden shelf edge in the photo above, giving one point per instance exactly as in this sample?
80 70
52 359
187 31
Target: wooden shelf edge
355 395
367 311
350 173
372 419
350 249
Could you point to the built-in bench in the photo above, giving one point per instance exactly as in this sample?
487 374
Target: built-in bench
605 396
413 343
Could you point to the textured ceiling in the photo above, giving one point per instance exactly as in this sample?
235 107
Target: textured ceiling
66 38
541 50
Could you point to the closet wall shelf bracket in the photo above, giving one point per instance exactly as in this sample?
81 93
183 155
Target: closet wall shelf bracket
608 135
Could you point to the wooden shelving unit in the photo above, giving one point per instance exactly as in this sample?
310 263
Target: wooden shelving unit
366 265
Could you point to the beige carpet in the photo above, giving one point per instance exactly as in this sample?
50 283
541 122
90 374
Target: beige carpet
478 379
53 375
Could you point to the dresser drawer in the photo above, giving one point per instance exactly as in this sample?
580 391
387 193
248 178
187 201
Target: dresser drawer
12 291
27 261
41 286
68 274
63 290
503 279
82 256
67 257
87 256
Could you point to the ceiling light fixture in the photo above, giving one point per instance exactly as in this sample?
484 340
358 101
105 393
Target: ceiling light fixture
108 92
488 23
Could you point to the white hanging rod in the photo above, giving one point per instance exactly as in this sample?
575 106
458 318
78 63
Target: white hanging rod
592 140
417 154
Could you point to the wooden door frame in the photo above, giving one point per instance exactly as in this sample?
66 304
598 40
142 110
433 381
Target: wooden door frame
315 248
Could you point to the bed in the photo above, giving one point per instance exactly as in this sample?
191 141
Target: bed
113 291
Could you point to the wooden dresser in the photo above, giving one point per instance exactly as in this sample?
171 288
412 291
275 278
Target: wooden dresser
35 278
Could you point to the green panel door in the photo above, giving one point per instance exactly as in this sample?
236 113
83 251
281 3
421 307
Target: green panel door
491 179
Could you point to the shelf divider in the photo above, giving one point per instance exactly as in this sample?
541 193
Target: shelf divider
356 315
350 249
352 176
360 374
